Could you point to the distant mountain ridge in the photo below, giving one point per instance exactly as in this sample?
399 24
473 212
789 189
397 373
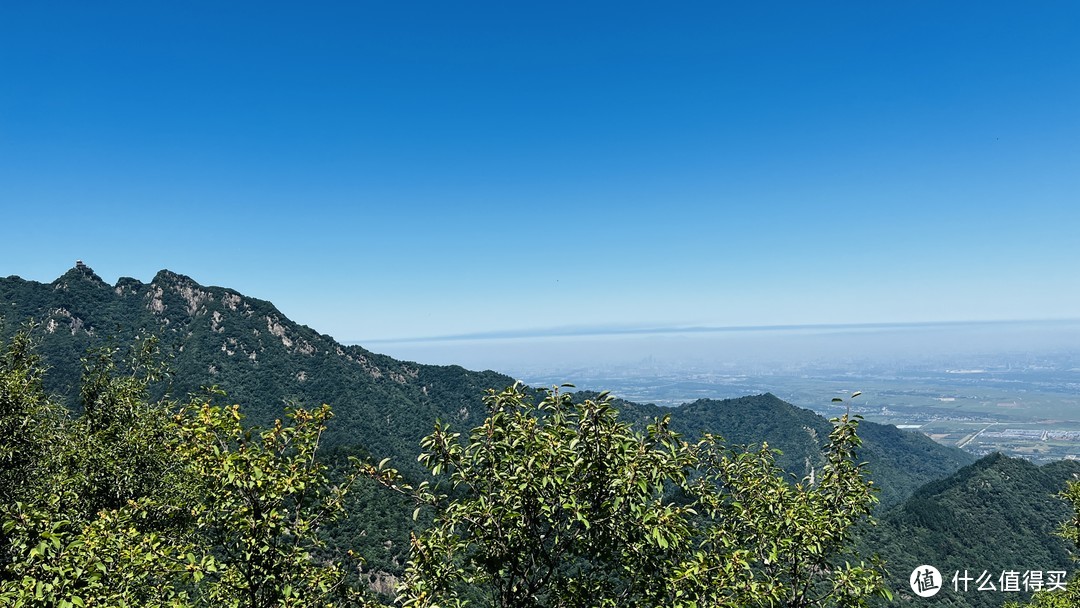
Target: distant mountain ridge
899 461
262 360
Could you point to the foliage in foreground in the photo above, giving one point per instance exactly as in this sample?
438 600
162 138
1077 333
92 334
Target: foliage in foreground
561 504
135 502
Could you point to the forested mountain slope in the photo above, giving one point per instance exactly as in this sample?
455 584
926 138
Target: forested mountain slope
996 515
262 360
247 348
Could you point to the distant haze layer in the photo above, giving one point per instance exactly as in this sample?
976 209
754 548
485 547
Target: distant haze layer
741 349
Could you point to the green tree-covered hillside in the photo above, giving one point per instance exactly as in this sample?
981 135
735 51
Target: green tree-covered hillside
998 514
262 360
248 349
133 501
997 508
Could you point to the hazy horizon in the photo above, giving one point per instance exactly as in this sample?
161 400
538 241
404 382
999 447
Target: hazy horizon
855 345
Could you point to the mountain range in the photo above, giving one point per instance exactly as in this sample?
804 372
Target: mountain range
214 336
260 359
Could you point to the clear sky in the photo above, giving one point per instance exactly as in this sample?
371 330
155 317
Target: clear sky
388 170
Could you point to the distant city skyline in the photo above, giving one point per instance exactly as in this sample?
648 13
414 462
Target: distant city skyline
388 172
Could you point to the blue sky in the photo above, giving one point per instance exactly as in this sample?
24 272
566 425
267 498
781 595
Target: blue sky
390 170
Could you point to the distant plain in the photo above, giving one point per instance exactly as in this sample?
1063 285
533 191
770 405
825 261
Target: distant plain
1012 387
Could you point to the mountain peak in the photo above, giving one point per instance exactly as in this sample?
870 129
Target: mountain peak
79 272
167 276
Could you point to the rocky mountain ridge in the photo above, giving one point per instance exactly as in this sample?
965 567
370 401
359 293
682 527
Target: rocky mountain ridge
247 348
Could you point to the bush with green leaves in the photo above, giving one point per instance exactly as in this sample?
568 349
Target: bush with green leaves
112 559
141 503
266 496
29 422
554 504
766 541
91 516
562 504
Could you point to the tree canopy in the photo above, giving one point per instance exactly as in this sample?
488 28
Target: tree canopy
560 503
137 501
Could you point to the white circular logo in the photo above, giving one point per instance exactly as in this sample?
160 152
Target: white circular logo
926 581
